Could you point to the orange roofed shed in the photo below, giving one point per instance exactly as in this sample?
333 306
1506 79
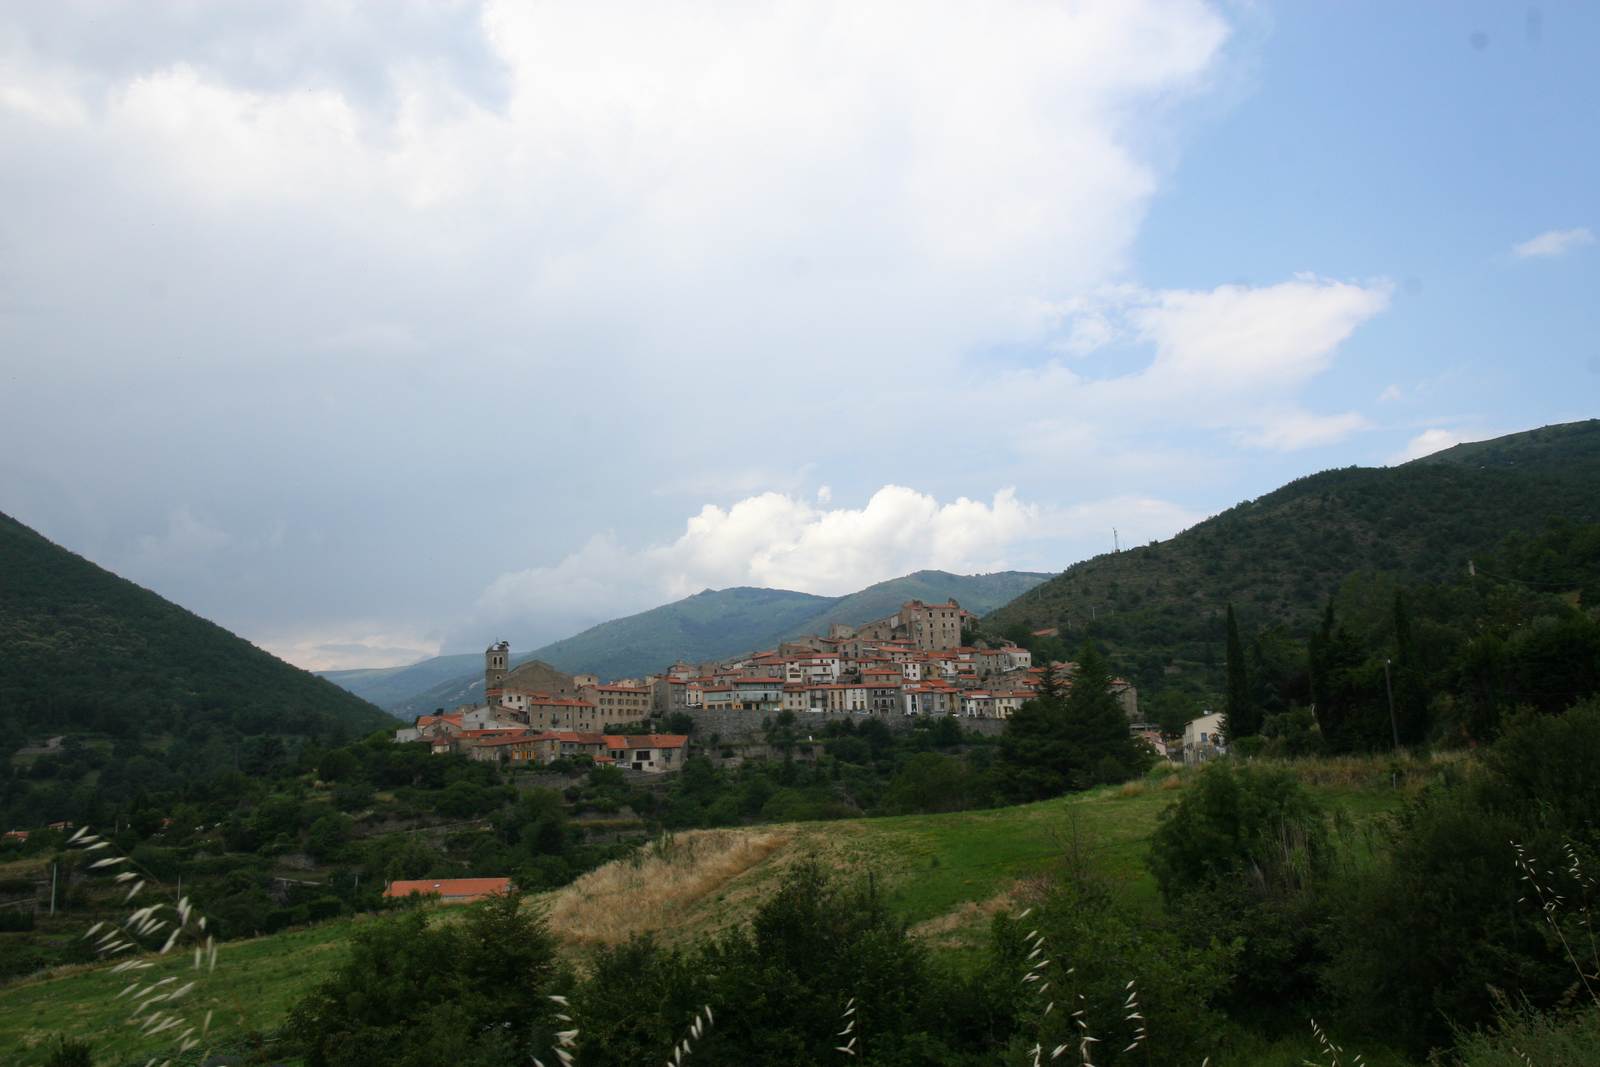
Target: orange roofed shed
449 890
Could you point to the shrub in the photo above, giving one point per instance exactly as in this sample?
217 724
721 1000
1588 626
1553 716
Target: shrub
13 920
70 1052
417 994
1097 945
1235 822
1445 919
1241 860
1521 1036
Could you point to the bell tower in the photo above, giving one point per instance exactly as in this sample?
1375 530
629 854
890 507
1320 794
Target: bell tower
495 659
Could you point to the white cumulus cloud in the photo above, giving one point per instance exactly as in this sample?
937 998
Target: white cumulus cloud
778 540
1430 441
1234 358
1553 243
772 540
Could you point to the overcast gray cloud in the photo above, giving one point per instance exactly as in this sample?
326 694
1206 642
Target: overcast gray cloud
363 328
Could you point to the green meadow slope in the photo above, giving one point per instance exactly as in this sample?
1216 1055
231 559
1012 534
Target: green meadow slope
945 874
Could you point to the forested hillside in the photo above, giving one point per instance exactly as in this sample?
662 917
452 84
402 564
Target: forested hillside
83 651
1159 609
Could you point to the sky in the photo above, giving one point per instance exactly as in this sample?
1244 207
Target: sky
376 330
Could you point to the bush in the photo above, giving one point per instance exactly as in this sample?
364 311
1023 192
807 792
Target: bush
418 994
1096 946
1238 822
1521 1036
70 1052
14 920
1241 859
1445 918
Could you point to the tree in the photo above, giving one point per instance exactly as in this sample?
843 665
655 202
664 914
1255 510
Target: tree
1342 692
1243 718
1053 744
415 993
1410 700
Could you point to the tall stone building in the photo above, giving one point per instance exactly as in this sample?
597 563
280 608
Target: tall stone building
932 627
495 664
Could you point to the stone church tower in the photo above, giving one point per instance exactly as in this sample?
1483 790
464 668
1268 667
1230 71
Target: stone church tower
495 661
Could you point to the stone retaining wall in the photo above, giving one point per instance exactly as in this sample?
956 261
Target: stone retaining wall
741 727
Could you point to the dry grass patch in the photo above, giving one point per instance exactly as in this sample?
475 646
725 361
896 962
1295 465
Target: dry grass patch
657 888
966 925
1131 789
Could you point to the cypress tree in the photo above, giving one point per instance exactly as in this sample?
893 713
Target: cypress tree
1410 702
1243 719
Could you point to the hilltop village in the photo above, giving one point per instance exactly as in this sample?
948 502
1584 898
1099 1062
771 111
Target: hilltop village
910 666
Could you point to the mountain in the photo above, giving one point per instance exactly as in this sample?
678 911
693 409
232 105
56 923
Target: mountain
709 625
82 649
388 685
1158 609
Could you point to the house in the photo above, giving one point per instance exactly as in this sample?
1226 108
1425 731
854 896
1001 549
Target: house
932 698
519 746
618 703
883 689
449 890
745 694
653 753
546 712
1203 739
1018 657
564 744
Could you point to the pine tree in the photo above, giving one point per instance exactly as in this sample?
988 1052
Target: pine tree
1410 707
1057 743
1096 728
1243 718
1050 682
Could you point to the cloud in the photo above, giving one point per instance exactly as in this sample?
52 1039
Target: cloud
1391 393
349 646
518 277
1242 339
1553 243
1428 442
1292 430
772 540
186 538
776 540
1234 359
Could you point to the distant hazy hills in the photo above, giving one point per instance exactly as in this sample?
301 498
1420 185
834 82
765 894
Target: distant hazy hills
81 648
711 625
1278 558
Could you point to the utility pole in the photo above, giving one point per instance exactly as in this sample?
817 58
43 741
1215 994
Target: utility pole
54 867
1389 689
1116 545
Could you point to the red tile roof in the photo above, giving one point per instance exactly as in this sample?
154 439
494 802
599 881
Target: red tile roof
453 890
618 741
517 737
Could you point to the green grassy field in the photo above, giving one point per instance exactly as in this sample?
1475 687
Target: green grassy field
945 874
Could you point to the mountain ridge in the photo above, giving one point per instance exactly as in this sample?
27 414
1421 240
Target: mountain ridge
1279 557
83 648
